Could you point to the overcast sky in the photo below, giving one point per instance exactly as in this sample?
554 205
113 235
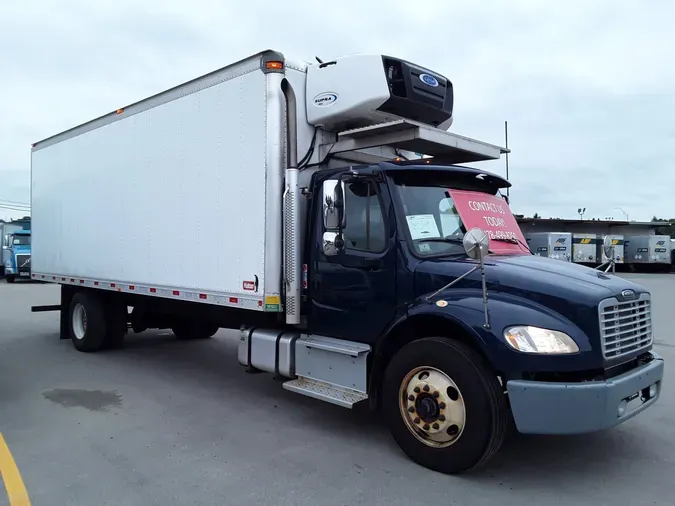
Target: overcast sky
588 88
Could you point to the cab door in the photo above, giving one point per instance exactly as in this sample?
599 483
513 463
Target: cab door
352 290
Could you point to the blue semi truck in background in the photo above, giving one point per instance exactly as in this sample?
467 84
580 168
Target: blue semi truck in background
16 250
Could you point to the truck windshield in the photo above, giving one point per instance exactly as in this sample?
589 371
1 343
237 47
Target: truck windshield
433 221
21 240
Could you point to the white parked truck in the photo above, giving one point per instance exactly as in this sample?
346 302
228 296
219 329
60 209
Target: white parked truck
330 221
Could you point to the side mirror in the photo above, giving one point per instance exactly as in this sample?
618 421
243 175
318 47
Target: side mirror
476 243
333 243
333 205
608 247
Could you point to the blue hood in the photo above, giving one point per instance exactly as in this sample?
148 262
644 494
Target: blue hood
21 249
569 289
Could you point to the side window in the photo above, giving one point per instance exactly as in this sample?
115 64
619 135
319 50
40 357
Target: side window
451 223
365 230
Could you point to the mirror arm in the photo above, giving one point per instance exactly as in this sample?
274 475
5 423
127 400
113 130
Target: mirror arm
456 280
481 260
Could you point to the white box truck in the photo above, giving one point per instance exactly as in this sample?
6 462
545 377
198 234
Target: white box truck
327 217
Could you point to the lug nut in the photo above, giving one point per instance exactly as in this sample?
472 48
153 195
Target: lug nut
417 390
417 420
411 397
442 405
411 409
426 426
436 394
442 418
435 426
426 388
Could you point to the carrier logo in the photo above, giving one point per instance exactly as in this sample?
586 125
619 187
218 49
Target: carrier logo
629 294
325 99
660 243
585 241
560 240
251 285
429 80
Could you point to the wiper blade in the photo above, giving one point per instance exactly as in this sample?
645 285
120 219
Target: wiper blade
513 240
447 240
450 240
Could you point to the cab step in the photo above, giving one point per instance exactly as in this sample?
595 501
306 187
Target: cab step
327 392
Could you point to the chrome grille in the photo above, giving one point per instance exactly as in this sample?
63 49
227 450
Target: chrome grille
23 262
625 326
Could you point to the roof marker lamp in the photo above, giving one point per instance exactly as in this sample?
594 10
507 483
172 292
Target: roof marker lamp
538 341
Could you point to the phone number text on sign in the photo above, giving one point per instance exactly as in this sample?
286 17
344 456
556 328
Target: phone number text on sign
501 234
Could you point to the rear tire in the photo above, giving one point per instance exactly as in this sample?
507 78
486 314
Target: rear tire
191 330
116 325
460 421
87 321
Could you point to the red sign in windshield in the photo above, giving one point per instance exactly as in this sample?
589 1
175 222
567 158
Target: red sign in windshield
492 214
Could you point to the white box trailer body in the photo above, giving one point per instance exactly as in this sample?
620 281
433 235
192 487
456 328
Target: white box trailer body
206 157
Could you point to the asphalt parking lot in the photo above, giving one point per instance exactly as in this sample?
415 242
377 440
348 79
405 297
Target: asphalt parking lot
180 423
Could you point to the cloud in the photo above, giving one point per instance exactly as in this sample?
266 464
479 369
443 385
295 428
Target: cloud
586 86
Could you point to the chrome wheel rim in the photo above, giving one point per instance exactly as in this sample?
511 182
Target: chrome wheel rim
432 407
79 321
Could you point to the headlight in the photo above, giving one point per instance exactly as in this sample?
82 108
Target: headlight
541 341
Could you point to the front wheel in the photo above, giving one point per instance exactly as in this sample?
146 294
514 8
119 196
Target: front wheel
10 278
445 407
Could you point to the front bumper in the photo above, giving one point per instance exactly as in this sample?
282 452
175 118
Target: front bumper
574 408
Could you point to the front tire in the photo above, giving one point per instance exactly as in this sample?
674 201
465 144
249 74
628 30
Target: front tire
444 405
10 278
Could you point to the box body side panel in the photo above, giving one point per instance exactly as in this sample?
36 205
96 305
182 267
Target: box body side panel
173 196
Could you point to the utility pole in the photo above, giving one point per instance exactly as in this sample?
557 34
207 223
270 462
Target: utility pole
506 140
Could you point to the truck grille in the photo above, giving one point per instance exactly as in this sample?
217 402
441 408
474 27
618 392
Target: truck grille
23 262
625 327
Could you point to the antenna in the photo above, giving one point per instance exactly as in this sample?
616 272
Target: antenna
506 139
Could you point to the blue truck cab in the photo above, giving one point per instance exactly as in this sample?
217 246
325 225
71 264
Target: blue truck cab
17 255
557 347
